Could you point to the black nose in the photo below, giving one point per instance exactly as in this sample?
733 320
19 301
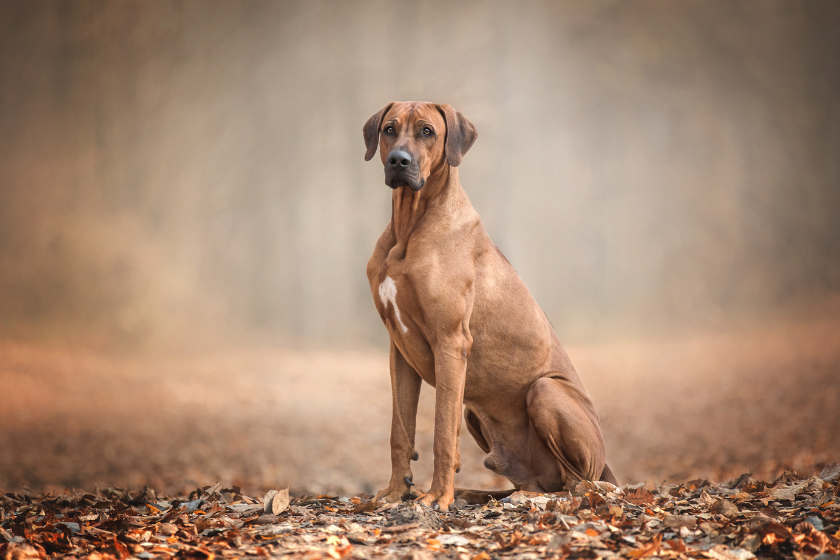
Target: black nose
399 157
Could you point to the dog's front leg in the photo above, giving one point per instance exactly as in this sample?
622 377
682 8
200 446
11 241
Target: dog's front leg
405 390
450 376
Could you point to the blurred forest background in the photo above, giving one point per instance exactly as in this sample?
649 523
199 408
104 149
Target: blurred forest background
186 214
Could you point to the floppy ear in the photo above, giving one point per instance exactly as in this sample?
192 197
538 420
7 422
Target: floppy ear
371 131
460 134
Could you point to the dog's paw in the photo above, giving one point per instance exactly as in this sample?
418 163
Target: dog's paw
444 501
392 495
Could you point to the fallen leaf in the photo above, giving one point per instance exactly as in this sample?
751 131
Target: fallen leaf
276 501
364 507
677 545
167 529
738 482
705 498
725 508
677 521
647 549
639 497
772 532
452 539
787 492
585 486
830 471
723 552
520 497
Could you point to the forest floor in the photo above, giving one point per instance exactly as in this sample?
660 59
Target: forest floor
792 517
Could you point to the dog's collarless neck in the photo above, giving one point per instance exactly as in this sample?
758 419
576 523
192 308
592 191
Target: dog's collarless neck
409 207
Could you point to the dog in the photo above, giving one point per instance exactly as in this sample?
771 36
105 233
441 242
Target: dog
461 319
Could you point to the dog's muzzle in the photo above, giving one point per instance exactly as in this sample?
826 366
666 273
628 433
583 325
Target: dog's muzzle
401 170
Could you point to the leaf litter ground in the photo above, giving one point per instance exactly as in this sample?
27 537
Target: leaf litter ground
793 517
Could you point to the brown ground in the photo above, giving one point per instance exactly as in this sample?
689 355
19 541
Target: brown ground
711 406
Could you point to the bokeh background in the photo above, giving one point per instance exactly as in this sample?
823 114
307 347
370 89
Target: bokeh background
185 217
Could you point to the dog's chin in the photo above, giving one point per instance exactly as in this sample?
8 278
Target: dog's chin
397 182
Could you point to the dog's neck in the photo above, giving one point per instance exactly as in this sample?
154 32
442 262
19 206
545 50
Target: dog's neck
408 207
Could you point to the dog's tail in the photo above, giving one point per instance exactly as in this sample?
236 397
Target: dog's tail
608 476
481 496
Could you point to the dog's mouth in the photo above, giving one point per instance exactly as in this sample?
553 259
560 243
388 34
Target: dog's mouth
399 179
402 183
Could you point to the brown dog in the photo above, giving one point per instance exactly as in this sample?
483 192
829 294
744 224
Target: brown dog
462 320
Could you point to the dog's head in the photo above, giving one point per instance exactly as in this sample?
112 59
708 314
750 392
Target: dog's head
415 139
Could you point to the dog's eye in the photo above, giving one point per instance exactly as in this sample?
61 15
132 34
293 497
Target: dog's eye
427 131
389 130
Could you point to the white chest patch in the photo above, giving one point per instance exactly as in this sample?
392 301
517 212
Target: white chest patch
388 293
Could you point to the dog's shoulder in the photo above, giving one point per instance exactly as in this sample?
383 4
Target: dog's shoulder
380 252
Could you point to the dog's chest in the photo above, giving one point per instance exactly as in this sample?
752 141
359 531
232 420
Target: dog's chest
388 299
399 307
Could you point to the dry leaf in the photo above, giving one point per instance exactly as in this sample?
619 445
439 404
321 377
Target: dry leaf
520 497
648 548
830 471
787 492
725 508
639 497
677 521
585 486
364 507
705 498
276 501
738 482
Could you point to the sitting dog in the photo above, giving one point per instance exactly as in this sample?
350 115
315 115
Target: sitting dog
462 320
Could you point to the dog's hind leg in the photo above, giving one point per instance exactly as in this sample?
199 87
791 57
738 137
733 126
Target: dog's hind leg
564 419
